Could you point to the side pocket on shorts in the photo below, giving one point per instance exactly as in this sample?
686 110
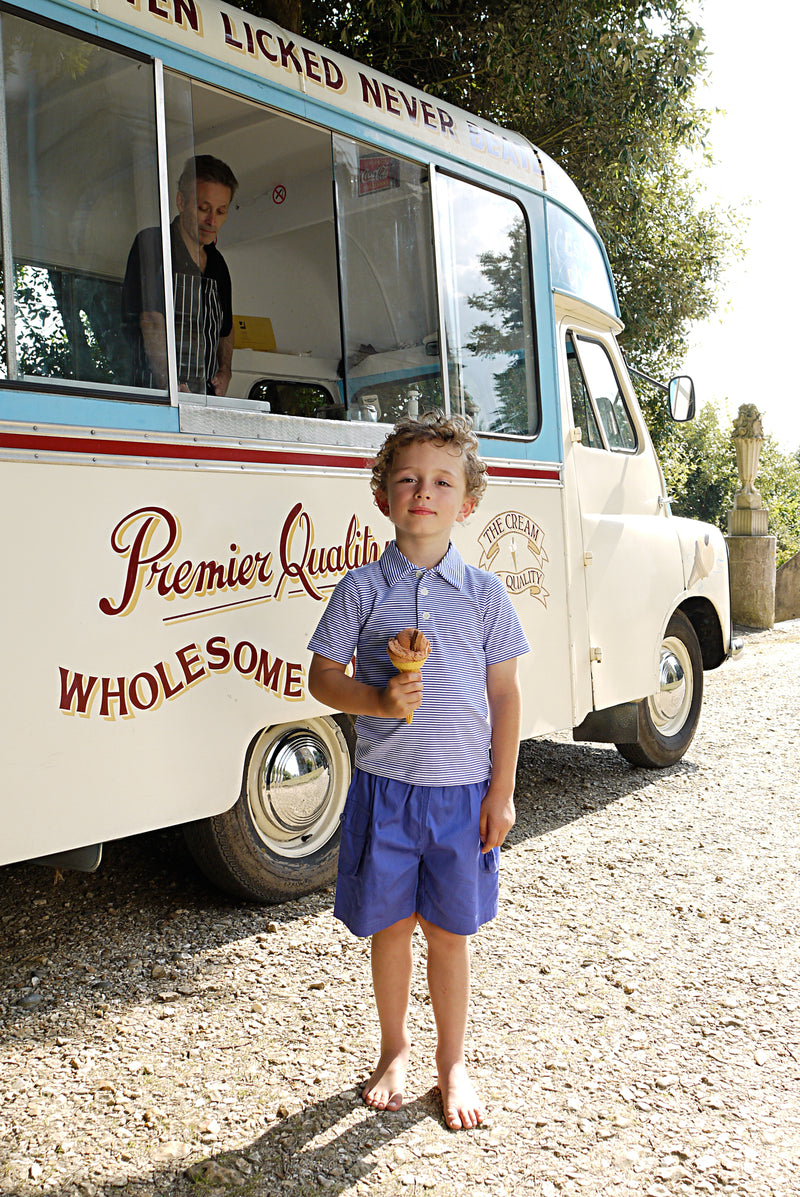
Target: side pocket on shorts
491 860
355 822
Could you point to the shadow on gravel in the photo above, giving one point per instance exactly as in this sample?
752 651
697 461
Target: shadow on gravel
92 939
98 935
560 782
300 1156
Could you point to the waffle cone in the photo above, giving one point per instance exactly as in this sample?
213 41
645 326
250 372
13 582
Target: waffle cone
404 665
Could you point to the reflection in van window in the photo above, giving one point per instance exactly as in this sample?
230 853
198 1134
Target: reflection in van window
75 205
295 399
582 410
388 283
593 377
577 261
488 308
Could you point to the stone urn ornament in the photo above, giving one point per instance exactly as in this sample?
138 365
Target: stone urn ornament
751 550
748 435
748 517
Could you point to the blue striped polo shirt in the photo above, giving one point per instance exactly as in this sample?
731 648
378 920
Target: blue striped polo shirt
468 617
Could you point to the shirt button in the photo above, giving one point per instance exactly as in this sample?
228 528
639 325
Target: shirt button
426 614
423 590
419 573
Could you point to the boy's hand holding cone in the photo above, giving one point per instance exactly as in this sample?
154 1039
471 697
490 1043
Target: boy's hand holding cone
408 652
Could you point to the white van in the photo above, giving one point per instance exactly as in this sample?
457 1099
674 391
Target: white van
167 554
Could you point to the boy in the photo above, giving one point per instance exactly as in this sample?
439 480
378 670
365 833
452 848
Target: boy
428 806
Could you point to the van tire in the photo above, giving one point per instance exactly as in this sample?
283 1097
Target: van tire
281 839
668 719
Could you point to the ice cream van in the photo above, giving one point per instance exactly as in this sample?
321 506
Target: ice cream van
167 550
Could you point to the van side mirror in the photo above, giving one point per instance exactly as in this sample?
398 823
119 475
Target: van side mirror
681 398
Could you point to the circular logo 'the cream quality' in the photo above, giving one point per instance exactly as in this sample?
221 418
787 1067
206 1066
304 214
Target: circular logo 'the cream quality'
512 546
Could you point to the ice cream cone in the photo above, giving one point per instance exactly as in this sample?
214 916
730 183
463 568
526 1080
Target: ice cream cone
408 651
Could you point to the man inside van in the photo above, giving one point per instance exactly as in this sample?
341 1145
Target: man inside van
201 287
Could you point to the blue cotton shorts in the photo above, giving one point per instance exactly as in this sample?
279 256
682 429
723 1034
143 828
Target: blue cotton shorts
414 849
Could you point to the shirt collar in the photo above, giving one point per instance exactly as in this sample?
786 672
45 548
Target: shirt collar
395 566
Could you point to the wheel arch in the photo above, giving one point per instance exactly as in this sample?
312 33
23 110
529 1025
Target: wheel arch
263 852
705 619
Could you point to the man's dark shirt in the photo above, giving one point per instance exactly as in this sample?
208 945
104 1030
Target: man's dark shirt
203 306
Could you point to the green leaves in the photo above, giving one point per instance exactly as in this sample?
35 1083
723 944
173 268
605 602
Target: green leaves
607 88
700 468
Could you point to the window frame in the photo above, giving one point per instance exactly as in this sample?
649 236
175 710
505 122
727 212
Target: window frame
576 335
532 368
44 384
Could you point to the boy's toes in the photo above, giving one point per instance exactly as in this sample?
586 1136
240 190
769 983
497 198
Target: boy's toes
457 1119
462 1109
381 1100
384 1089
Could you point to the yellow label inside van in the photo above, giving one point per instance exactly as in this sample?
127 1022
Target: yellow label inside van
253 332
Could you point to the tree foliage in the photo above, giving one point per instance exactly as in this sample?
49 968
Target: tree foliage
503 331
607 88
700 467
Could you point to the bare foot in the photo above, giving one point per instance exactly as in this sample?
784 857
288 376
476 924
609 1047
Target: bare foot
462 1108
384 1089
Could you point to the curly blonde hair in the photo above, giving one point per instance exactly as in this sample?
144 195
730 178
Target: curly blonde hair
435 426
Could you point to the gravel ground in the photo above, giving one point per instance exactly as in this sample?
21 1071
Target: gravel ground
636 1012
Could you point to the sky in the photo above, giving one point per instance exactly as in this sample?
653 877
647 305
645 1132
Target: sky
743 353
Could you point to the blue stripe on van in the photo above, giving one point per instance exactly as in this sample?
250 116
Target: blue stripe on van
33 407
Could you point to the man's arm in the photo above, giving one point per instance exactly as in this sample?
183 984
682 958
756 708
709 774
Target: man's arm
329 683
505 713
222 379
154 335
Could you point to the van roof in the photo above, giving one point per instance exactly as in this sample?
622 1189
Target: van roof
265 51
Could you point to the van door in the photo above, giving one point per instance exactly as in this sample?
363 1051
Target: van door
633 569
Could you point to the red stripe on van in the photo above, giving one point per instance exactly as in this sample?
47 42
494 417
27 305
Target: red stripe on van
524 472
100 446
43 442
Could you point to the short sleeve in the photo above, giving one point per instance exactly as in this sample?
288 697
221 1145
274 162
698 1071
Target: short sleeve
503 634
143 285
336 635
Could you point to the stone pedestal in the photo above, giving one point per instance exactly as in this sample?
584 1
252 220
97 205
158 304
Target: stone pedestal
752 561
748 521
750 549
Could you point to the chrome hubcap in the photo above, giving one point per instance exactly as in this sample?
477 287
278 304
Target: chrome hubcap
297 782
670 705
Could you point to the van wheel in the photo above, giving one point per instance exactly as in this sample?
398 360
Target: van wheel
668 719
281 839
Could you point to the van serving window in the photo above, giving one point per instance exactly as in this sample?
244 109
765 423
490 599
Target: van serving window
388 283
